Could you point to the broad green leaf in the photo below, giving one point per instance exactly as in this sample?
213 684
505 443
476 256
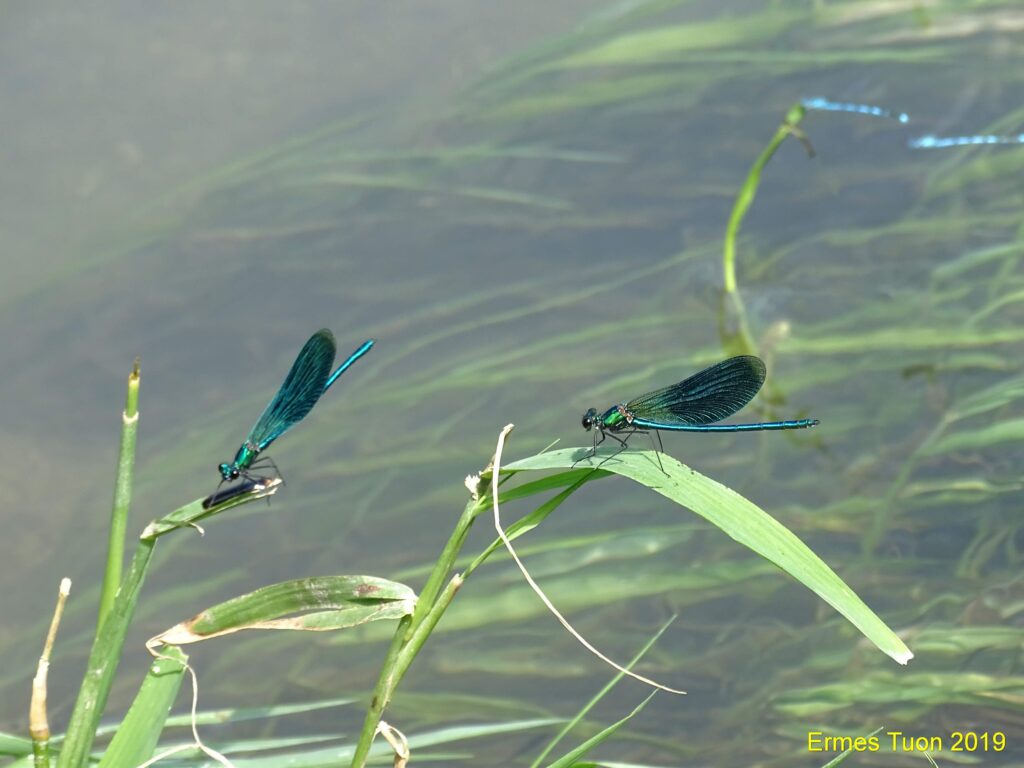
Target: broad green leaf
740 519
349 600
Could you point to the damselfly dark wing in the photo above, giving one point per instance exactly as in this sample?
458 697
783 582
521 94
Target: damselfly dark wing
714 394
248 485
300 391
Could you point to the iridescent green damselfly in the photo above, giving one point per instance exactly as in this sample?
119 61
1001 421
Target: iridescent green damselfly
306 382
693 405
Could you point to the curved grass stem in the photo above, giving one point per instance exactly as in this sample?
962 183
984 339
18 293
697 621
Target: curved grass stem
790 126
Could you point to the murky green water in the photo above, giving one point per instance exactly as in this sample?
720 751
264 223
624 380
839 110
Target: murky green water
525 240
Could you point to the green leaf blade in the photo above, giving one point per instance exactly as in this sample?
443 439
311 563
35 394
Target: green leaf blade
327 602
740 519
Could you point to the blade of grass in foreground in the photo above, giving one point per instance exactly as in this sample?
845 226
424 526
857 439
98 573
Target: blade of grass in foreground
122 496
740 519
135 740
571 758
600 695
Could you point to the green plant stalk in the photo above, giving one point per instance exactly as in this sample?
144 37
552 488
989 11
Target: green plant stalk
122 497
789 127
400 657
383 690
406 635
103 660
412 633
419 636
733 329
41 753
445 563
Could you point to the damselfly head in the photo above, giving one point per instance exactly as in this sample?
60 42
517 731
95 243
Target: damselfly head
229 471
588 418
